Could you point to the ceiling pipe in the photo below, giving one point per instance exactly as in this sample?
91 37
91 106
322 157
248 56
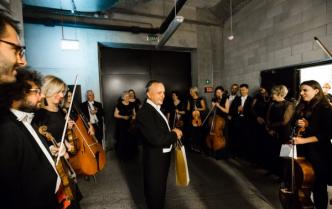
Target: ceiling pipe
92 25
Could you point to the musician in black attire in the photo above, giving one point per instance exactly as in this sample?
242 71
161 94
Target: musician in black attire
158 138
279 114
220 102
94 112
241 119
135 101
28 175
314 114
259 108
124 113
176 112
196 103
52 116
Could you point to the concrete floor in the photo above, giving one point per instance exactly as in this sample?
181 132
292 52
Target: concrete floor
215 184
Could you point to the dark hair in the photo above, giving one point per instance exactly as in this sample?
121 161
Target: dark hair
318 98
17 90
5 19
132 90
244 85
149 84
176 93
218 88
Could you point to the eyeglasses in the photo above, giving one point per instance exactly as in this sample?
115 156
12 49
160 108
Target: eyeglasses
37 91
19 49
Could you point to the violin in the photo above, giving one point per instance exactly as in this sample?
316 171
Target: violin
296 190
67 175
178 122
196 118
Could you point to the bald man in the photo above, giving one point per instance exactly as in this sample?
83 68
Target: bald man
157 144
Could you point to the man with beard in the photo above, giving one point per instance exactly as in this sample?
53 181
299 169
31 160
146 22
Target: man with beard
11 50
28 175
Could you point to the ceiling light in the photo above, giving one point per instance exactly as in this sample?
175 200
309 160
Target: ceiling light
176 22
231 36
68 44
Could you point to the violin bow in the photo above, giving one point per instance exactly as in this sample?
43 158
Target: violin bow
205 119
323 47
67 119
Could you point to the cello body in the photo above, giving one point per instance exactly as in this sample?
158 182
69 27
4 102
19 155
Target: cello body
215 140
90 156
298 181
299 198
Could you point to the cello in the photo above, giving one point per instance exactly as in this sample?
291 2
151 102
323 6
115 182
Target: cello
215 139
296 190
90 156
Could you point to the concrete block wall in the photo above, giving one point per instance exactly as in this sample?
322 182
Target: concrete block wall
208 57
275 33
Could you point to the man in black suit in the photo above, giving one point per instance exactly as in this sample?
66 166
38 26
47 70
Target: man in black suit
241 119
94 112
28 176
11 51
157 144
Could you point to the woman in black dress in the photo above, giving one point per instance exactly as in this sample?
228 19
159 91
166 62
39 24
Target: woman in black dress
52 116
314 114
278 118
196 108
176 112
124 114
135 101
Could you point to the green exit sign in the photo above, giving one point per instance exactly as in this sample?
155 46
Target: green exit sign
152 37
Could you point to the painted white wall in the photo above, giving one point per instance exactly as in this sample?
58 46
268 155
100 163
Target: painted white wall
45 55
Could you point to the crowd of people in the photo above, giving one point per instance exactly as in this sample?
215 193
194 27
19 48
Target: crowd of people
34 109
34 152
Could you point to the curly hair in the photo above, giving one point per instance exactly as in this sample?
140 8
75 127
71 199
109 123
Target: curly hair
17 90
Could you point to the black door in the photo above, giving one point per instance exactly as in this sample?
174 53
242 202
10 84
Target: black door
124 69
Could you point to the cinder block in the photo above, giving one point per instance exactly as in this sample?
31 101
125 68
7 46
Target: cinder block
283 52
303 47
314 56
319 32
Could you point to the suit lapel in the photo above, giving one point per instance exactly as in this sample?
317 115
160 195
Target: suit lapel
155 112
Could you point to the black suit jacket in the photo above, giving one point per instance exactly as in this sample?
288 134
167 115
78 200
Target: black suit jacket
27 178
100 111
156 136
247 107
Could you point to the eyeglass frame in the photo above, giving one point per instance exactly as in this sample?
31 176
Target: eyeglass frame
19 49
35 90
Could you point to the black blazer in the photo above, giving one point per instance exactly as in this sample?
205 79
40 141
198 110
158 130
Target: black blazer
155 134
247 107
27 178
100 112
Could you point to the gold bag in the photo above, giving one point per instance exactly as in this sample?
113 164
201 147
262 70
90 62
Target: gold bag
181 166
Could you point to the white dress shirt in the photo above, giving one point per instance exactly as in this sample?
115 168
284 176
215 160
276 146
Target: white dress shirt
93 117
157 107
243 99
26 119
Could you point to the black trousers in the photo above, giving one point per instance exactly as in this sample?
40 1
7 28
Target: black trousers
98 131
155 181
